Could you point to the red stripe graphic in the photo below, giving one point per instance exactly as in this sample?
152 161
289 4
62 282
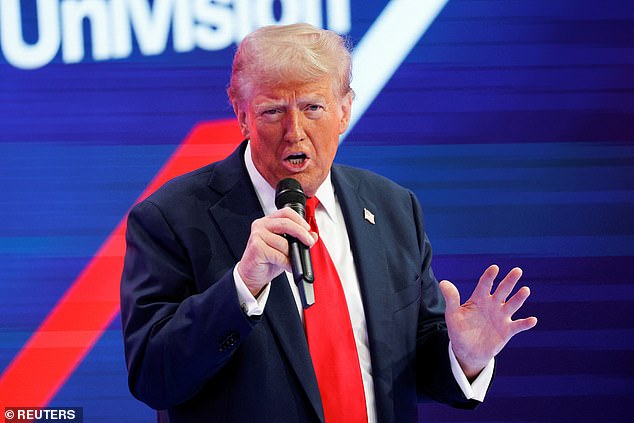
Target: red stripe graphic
78 320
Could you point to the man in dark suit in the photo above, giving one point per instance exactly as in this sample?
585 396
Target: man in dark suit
214 327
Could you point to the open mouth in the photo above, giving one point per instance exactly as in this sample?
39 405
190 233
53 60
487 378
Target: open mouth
296 159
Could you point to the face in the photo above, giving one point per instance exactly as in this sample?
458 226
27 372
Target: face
294 130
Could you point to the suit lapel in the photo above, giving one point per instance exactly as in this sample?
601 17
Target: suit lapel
233 214
281 312
370 263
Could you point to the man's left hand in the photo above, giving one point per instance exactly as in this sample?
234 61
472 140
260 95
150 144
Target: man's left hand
481 327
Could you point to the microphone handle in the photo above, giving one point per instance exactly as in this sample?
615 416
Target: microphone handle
302 266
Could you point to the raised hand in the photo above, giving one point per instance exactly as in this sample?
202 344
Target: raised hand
482 326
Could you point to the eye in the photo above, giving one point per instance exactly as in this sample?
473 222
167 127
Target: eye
270 115
314 107
314 111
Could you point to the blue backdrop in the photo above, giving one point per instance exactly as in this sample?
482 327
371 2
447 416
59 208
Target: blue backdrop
513 122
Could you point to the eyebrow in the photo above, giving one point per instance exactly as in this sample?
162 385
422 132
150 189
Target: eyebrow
307 99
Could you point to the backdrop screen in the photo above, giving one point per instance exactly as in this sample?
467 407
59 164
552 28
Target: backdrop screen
512 121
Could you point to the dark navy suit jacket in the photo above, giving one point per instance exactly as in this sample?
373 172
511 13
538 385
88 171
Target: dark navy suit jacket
192 352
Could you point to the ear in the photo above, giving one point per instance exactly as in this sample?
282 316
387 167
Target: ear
243 120
346 107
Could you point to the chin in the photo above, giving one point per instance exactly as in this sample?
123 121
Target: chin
309 182
309 187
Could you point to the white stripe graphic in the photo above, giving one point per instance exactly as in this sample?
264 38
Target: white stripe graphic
385 46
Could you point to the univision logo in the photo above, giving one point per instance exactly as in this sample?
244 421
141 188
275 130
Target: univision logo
112 24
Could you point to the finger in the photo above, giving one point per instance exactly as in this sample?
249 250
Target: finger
483 288
276 258
284 225
451 294
274 241
276 251
260 262
266 248
521 325
507 284
289 213
517 301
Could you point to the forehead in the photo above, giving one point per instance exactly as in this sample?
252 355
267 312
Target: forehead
322 88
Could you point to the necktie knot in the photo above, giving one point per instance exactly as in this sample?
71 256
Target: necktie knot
311 205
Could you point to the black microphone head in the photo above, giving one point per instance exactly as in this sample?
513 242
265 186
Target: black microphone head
289 193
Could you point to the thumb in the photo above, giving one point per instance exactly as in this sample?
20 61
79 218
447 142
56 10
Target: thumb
451 294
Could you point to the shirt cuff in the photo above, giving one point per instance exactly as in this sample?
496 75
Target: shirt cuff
478 388
250 305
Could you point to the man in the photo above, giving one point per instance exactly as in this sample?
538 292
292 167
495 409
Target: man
215 329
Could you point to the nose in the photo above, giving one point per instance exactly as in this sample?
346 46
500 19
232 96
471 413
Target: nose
294 131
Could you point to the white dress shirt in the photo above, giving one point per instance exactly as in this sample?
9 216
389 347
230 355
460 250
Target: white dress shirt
333 233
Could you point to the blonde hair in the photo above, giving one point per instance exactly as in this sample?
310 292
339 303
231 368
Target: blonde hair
274 55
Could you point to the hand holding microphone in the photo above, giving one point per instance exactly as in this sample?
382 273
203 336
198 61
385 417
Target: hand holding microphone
268 254
289 193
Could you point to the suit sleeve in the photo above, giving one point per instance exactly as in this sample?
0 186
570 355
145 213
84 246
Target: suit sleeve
434 376
176 339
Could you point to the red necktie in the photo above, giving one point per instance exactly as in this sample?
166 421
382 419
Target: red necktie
330 338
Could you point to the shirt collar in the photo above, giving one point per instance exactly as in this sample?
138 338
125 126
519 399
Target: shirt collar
266 193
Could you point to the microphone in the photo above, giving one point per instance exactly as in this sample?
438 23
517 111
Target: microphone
289 193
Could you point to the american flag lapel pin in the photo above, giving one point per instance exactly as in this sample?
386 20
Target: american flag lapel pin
368 215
